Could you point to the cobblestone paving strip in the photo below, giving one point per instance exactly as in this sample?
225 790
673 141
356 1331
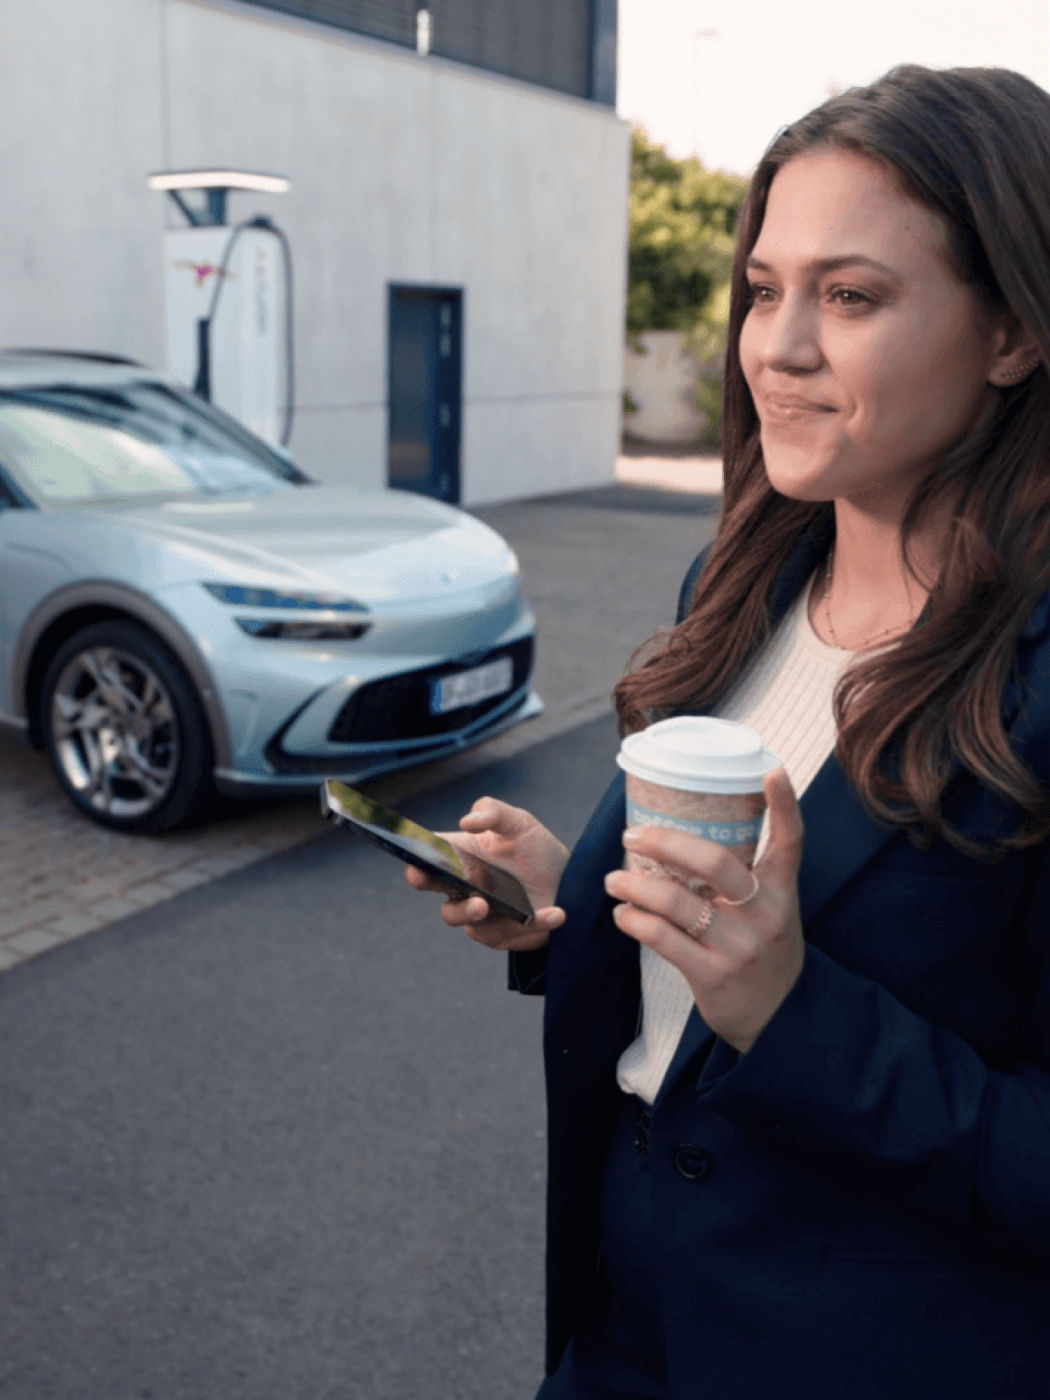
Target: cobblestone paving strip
61 876
75 877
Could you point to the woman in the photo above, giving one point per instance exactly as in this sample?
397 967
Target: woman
805 1150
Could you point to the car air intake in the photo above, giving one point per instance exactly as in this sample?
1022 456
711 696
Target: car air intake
399 707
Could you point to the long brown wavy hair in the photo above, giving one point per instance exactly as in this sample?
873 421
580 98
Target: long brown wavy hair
973 144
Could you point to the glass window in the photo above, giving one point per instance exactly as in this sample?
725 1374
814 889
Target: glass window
71 444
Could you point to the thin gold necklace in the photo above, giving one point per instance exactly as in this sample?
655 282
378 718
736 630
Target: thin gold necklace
827 614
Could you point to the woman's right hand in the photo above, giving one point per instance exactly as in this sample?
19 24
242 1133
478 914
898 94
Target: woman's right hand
512 838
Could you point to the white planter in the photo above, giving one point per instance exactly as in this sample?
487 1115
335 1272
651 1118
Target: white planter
661 381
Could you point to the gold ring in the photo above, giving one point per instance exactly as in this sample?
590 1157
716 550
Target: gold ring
737 903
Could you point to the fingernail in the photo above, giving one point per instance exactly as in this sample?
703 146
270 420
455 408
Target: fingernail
632 836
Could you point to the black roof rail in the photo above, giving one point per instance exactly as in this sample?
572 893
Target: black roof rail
98 356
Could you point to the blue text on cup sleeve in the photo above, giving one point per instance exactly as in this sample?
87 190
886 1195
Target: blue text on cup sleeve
725 833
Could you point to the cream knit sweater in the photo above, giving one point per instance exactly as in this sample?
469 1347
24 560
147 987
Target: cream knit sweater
785 694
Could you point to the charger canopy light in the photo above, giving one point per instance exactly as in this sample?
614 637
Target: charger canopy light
215 185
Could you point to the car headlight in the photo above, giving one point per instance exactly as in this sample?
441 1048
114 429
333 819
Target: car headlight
237 595
315 629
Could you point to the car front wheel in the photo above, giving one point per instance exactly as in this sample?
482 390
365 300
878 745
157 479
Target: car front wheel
125 730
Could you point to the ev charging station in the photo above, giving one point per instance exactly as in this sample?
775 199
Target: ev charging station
227 295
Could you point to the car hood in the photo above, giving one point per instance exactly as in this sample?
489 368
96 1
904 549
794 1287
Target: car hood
377 544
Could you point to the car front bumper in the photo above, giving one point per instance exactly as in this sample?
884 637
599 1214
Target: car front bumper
372 760
296 712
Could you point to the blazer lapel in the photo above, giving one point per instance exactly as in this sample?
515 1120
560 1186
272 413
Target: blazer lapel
589 951
696 1037
840 838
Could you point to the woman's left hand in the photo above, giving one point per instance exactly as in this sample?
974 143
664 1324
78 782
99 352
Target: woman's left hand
743 964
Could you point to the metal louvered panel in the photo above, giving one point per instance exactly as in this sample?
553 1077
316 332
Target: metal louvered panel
547 42
394 20
567 45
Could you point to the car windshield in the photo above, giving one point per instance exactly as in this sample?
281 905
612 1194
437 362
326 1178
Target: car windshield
71 444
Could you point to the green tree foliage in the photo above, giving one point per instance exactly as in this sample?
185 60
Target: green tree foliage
680 252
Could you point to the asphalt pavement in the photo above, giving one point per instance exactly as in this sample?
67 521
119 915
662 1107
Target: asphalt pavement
282 1138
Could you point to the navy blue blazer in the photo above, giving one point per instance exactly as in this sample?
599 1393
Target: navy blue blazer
872 1219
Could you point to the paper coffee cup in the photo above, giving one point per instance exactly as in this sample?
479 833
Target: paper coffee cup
700 775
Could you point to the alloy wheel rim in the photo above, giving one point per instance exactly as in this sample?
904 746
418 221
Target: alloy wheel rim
115 732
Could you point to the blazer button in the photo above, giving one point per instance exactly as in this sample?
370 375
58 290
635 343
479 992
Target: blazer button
692 1162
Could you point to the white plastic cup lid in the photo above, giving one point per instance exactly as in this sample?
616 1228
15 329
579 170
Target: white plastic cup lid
698 753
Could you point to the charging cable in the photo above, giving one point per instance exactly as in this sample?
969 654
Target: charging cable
202 383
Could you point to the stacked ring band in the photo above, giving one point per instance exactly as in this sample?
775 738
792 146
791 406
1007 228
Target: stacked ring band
707 908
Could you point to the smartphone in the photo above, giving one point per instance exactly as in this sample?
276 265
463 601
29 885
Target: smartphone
461 874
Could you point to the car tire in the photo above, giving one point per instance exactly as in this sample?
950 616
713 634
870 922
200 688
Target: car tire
125 730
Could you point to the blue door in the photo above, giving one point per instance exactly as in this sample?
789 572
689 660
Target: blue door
424 390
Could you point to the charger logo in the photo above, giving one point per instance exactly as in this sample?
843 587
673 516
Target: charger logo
202 271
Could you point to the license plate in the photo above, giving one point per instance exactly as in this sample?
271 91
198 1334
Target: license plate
468 687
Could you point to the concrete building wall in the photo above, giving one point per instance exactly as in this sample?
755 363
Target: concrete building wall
661 378
404 170
80 235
